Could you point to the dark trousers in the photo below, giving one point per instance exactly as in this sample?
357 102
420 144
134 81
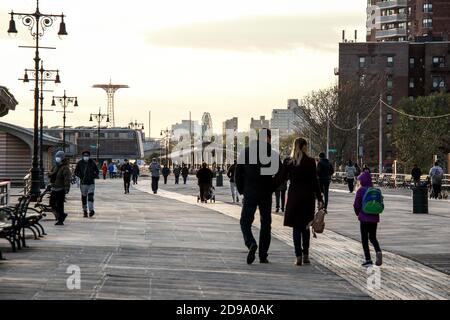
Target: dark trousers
369 233
351 183
302 238
165 179
57 200
104 176
135 178
184 179
155 181
111 175
250 204
204 189
126 183
436 190
325 189
280 196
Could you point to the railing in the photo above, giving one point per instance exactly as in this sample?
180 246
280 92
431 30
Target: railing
401 17
391 4
5 193
396 32
390 180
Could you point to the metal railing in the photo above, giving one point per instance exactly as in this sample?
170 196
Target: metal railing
391 4
5 193
390 180
400 17
396 32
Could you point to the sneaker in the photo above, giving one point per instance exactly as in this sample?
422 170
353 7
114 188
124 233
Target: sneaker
299 261
306 259
85 214
379 260
91 214
251 253
367 264
265 260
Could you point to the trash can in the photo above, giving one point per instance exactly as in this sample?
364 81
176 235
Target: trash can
420 199
219 180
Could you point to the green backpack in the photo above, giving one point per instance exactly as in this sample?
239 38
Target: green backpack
373 201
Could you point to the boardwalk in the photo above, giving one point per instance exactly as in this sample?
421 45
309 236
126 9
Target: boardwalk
141 246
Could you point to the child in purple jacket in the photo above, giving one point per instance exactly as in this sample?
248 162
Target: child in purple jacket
368 222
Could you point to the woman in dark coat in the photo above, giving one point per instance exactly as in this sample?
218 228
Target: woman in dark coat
304 189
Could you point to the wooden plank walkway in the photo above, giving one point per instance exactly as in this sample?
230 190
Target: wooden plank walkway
141 246
401 278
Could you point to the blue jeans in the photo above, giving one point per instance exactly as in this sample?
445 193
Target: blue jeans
301 241
250 204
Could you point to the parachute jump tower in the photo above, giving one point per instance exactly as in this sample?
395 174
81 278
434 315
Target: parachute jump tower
110 91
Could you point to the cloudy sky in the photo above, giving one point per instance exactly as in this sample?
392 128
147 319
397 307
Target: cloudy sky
231 58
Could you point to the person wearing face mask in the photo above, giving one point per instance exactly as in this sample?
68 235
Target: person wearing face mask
87 171
126 174
60 185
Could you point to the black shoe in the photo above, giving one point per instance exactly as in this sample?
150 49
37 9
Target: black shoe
252 253
306 259
59 223
91 214
85 214
367 264
277 210
265 260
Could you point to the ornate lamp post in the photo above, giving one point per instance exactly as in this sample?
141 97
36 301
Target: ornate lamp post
37 23
44 76
136 126
99 117
167 136
64 101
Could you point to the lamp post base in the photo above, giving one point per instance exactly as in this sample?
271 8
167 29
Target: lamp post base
35 190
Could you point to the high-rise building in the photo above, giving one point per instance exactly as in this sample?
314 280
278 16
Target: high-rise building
406 20
287 121
230 124
261 123
183 129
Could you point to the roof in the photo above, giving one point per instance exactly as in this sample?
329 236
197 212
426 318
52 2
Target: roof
27 134
7 101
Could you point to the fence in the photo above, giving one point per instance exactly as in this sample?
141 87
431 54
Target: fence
390 180
5 193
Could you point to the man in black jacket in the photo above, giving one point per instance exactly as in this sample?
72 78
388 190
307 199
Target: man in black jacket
126 170
87 171
416 173
254 179
324 172
204 176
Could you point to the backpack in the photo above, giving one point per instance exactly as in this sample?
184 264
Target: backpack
372 202
318 223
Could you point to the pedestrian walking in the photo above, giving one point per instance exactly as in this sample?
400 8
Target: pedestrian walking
230 175
324 172
60 176
350 171
111 170
115 170
368 222
416 173
104 170
205 177
176 173
257 186
184 173
126 170
301 171
436 174
280 197
87 171
165 173
155 170
136 172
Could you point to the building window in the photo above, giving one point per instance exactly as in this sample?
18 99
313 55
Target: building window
87 135
427 7
102 135
362 62
390 61
439 62
427 23
389 99
412 62
389 82
411 83
438 82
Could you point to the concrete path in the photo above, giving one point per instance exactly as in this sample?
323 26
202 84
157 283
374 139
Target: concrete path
141 246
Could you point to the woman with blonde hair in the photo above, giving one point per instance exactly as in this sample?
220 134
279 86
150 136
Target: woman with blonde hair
300 170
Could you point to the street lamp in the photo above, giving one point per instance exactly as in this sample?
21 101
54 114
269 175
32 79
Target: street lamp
167 136
64 101
44 76
99 117
37 23
135 125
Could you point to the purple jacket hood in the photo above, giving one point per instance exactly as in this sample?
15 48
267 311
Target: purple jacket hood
365 179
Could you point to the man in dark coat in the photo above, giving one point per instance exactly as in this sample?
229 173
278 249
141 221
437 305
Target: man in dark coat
416 173
165 172
184 173
204 176
324 172
254 180
135 172
87 171
176 173
126 170
60 186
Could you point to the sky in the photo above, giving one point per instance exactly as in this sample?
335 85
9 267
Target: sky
230 58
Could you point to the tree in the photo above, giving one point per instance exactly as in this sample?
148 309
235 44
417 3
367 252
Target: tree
417 140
